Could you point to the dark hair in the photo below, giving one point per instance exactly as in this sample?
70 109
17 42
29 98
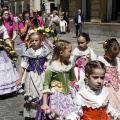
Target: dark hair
85 35
2 12
60 45
95 64
35 21
6 7
24 13
111 44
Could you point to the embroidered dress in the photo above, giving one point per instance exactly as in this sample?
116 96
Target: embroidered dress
33 78
113 77
57 83
92 105
8 72
79 60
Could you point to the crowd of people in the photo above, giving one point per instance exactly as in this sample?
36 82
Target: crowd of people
58 83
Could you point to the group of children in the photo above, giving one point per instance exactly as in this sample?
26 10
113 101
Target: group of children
73 85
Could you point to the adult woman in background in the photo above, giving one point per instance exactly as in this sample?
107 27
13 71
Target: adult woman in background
8 72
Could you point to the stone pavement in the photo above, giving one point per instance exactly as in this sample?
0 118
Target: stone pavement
11 106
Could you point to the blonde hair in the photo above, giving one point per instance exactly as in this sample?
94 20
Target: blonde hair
61 45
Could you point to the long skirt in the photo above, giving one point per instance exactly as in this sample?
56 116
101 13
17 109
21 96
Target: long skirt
8 74
60 103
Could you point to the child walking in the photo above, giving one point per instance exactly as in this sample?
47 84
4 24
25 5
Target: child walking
32 74
57 81
92 100
81 55
112 76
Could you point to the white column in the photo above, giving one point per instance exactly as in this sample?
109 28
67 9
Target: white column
109 10
37 4
22 4
84 8
15 7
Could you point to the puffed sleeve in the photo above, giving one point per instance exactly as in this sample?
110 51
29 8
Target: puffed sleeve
77 111
112 112
5 34
47 81
24 62
72 75
73 58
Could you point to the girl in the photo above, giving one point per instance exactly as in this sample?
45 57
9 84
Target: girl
34 27
112 76
92 100
81 55
8 72
57 81
23 29
32 72
10 25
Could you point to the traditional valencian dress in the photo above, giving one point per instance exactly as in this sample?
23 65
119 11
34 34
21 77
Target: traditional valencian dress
8 72
57 84
92 105
79 59
33 78
112 77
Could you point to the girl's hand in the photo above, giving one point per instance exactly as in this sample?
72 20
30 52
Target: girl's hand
44 107
118 117
18 83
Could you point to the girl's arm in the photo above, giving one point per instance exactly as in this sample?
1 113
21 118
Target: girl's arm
46 89
23 28
112 112
77 110
14 35
21 75
24 65
44 107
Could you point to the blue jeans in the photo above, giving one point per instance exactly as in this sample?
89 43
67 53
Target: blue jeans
78 27
23 48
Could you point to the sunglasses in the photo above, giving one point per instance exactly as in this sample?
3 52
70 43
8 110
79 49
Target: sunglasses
35 12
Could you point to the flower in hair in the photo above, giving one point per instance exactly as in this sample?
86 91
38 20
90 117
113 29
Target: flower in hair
44 32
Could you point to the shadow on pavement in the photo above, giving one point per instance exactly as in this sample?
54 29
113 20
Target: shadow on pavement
10 95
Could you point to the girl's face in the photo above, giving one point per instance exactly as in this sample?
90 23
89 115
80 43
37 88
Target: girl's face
6 15
96 79
26 16
82 43
111 55
65 55
31 24
35 42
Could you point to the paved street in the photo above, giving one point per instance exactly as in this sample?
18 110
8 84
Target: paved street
12 106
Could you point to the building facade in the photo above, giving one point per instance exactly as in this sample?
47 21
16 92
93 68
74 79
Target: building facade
18 6
94 10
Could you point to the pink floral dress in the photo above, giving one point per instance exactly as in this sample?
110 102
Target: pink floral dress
112 77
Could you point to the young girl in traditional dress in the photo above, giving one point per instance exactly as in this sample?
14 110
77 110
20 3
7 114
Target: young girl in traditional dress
112 76
81 55
32 73
57 81
8 72
92 100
